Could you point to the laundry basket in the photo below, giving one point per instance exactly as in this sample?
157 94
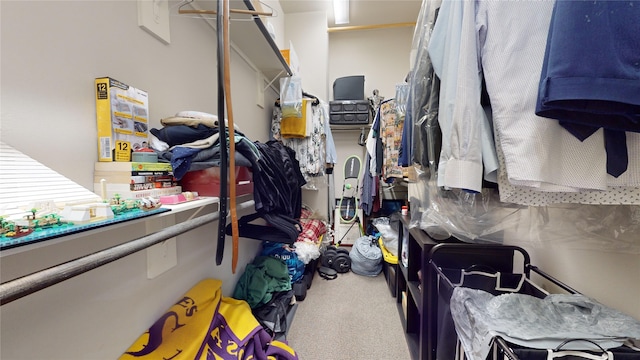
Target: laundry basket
475 270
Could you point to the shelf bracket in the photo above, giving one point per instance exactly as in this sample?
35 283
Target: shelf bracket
272 81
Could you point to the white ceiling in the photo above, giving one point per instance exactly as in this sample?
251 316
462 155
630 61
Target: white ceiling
361 12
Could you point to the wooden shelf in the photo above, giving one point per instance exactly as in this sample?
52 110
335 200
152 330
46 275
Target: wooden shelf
403 270
419 245
415 293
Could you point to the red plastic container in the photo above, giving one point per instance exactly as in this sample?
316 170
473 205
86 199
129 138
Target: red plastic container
206 182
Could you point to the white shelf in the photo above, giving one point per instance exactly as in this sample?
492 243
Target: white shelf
201 202
252 38
350 127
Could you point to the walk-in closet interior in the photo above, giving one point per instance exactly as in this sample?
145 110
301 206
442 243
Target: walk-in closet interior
457 178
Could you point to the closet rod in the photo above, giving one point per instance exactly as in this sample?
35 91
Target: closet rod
233 11
29 284
370 27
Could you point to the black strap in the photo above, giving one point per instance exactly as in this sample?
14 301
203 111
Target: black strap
222 221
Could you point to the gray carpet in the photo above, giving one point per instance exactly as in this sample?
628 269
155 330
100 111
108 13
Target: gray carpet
352 317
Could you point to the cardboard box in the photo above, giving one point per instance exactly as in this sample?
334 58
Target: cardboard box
122 114
206 182
291 58
286 54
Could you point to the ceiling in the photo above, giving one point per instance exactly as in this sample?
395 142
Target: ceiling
361 12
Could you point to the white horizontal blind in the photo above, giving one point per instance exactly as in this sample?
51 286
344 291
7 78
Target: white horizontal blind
24 181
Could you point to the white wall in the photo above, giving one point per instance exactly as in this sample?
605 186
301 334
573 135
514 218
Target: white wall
51 52
382 56
598 266
308 34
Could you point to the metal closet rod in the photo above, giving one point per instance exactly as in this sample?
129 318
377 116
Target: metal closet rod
233 11
29 284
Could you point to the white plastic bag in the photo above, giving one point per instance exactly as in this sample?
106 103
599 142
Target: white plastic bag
389 234
291 96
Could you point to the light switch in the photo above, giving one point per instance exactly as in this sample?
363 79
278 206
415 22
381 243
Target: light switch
153 17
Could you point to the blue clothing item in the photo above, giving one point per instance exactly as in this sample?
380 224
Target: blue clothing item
284 253
210 157
181 160
183 134
591 73
406 154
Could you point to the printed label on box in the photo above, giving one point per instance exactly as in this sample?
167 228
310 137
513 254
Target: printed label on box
122 114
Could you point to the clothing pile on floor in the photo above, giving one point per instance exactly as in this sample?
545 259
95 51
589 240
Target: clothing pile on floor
205 324
266 286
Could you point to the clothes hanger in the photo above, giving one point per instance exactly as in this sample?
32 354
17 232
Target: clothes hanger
315 102
315 99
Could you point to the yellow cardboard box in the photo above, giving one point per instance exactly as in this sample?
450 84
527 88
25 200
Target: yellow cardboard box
286 55
122 114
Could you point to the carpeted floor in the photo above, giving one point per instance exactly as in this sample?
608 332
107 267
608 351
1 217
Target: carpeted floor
353 317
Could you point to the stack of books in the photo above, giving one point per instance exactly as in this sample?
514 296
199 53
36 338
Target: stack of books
134 180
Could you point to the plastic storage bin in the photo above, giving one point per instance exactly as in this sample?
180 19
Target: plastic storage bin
474 268
349 112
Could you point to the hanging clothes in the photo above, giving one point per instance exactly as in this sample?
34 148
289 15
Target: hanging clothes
391 125
297 126
539 154
424 90
331 155
372 168
468 152
591 73
311 151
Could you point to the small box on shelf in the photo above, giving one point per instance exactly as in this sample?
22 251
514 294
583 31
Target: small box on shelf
122 115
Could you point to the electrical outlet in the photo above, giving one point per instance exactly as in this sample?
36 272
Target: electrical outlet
153 17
